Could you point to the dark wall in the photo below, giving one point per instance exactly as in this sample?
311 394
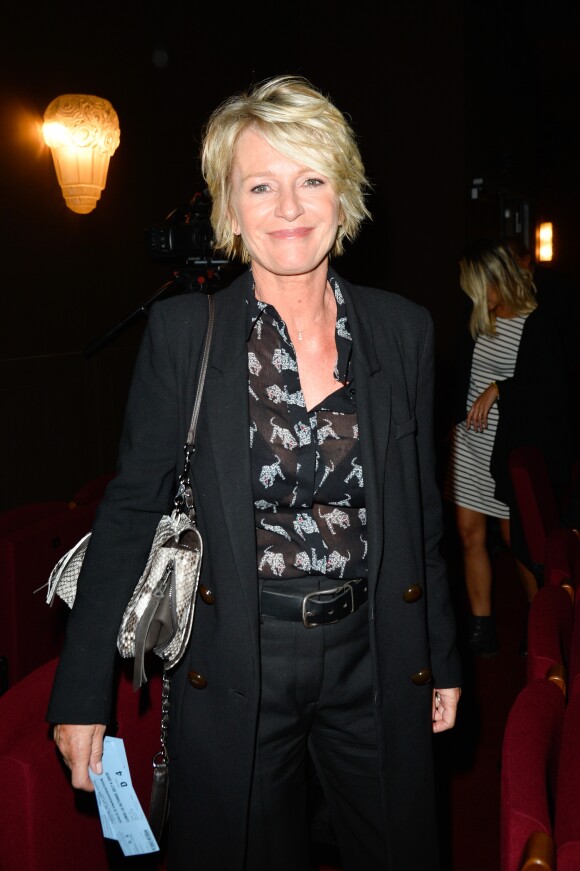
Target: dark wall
406 73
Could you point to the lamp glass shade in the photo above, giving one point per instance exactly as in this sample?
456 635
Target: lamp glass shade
83 133
545 242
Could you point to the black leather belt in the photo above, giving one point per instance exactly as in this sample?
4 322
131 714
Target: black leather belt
319 608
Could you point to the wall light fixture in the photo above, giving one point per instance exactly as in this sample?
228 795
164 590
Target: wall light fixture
545 242
83 133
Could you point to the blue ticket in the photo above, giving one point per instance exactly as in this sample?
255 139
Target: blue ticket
106 823
107 818
121 814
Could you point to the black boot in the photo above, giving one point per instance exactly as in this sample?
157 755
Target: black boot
483 636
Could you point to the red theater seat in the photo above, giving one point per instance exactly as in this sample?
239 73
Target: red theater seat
529 775
574 659
535 498
33 537
550 623
567 818
562 559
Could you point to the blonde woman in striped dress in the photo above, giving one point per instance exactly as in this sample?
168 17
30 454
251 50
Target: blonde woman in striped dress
496 378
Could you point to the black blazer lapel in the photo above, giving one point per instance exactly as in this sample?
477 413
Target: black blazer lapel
373 403
229 429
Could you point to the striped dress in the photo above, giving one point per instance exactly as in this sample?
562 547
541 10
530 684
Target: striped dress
468 481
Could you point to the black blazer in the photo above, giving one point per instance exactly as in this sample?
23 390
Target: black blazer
412 637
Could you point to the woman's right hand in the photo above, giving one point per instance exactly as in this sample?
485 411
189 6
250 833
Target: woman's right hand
477 415
81 746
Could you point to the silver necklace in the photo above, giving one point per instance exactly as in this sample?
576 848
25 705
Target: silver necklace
300 332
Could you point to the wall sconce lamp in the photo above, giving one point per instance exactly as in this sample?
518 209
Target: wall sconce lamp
545 242
82 132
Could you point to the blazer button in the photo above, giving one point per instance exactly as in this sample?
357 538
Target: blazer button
412 593
206 594
422 677
197 680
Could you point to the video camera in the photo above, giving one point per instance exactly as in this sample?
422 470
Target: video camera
185 237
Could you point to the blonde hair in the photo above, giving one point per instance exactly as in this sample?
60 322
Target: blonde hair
492 264
302 124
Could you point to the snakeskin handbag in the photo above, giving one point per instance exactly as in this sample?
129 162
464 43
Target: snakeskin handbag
159 615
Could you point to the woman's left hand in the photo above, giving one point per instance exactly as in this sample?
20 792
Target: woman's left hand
444 708
477 415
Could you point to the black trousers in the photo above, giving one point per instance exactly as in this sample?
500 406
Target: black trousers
317 702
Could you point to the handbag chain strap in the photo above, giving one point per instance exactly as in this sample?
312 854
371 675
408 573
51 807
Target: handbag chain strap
161 758
159 801
184 499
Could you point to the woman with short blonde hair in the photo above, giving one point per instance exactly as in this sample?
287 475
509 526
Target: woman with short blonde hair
300 123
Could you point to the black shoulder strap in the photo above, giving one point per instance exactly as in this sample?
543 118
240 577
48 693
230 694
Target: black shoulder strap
184 498
202 371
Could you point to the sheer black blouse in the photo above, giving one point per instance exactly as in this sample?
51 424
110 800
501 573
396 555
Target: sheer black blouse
307 475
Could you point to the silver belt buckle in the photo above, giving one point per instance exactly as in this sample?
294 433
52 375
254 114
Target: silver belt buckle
332 592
